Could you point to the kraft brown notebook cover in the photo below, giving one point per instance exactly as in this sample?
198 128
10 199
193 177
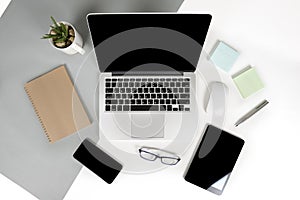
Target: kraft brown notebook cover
57 104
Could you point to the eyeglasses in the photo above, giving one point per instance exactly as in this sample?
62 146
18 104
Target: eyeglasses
152 154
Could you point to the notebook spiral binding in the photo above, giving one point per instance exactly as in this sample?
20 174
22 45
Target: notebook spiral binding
37 113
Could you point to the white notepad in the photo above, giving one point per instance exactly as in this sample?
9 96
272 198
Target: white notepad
3 5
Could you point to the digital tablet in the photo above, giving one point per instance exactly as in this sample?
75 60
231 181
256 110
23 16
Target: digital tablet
214 160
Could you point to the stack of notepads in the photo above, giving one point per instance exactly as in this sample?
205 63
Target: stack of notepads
57 104
247 80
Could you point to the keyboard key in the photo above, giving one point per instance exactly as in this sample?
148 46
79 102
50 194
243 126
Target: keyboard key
176 96
168 101
165 96
151 90
132 101
186 79
128 90
146 90
180 90
132 79
126 101
121 101
187 90
183 101
154 84
137 84
156 101
124 96
150 79
107 84
108 79
184 96
144 101
166 84
169 108
144 79
160 84
171 96
126 108
119 108
178 84
113 108
181 107
109 96
138 79
185 84
163 108
156 79
114 101
180 79
168 79
140 90
109 90
119 84
172 84
141 96
162 101
153 96
113 84
163 90
144 108
150 101
175 109
173 101
136 96
159 96
126 79
120 79
187 109
174 79
175 90
157 90
114 79
162 79
107 108
125 84
116 90
118 96
147 96
138 101
122 90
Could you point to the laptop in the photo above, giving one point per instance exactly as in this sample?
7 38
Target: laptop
147 64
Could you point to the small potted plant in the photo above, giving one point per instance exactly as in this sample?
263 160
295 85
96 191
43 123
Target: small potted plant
64 37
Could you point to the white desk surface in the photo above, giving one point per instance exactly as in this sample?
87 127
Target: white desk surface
267 34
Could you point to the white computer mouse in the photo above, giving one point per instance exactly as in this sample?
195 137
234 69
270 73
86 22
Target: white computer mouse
216 102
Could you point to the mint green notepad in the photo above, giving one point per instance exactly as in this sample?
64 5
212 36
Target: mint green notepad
223 56
247 81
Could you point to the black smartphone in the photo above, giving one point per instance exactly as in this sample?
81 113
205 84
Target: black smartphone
97 161
214 160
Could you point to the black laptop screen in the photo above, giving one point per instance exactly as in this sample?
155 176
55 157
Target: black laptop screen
148 42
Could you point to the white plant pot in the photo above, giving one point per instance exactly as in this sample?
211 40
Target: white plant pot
75 47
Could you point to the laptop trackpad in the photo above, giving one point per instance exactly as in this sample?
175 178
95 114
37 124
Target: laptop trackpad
145 126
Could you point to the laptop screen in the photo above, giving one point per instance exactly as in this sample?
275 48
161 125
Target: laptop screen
144 42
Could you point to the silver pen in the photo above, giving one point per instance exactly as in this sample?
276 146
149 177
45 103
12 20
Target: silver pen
251 112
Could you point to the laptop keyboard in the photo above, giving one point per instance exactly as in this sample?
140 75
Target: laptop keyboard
147 94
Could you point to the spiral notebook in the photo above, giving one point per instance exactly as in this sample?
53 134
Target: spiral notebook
57 104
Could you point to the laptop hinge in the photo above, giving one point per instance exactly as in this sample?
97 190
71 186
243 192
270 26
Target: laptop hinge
147 73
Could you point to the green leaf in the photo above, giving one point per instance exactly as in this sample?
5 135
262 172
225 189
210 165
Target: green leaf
48 36
54 22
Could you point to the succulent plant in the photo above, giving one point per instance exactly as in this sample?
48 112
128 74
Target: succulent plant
62 35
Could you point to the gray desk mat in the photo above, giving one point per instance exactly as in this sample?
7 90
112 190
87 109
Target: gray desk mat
47 170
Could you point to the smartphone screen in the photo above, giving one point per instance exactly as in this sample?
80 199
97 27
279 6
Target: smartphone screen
97 161
214 160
